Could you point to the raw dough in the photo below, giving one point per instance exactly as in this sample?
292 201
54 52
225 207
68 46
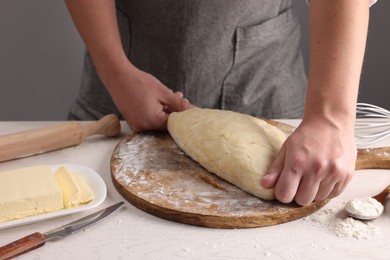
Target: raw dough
238 148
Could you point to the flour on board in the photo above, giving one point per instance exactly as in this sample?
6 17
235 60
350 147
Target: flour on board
139 166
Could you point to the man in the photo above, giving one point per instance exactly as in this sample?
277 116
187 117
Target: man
237 55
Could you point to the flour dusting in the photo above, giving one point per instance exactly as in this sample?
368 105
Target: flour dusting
159 172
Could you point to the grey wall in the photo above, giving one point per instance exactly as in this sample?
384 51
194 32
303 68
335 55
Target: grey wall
41 58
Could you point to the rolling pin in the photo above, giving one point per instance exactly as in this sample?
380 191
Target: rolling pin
45 139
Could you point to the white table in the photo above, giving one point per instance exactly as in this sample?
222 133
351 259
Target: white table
133 234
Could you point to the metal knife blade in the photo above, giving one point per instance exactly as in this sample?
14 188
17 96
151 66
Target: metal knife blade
37 239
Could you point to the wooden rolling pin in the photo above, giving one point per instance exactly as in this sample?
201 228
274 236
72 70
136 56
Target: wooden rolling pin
41 140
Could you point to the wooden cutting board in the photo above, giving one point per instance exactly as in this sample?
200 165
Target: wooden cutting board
151 172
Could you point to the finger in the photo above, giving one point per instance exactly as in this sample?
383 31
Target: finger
270 178
287 185
307 191
337 181
176 102
338 189
324 190
176 98
160 122
154 119
179 94
328 184
288 182
169 110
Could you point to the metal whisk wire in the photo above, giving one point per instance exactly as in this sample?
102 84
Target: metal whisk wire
372 124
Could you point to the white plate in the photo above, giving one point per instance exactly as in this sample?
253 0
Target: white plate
94 181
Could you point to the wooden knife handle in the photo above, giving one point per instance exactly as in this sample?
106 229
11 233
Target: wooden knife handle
22 246
54 137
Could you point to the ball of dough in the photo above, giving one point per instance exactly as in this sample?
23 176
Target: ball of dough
238 148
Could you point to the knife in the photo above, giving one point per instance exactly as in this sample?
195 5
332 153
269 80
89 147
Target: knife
37 239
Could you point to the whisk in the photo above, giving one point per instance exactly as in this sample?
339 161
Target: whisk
372 124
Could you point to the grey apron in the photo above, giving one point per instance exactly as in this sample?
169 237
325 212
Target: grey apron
227 54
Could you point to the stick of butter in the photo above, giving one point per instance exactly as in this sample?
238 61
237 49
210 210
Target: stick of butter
35 190
74 189
28 191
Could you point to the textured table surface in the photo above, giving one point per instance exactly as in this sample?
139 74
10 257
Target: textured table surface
133 234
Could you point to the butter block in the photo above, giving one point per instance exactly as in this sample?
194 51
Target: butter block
70 189
74 188
86 194
28 191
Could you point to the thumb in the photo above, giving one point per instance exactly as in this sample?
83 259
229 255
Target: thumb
176 102
271 177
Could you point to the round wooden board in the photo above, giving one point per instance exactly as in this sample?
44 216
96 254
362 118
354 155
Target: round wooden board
151 172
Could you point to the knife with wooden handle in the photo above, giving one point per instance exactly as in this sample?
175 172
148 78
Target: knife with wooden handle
35 240
55 137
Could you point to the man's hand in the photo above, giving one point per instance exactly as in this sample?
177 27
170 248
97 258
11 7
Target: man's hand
318 159
144 101
315 163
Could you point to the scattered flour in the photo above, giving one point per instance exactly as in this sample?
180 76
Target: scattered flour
366 207
352 228
344 228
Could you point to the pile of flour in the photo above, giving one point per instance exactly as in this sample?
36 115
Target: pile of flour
367 207
344 228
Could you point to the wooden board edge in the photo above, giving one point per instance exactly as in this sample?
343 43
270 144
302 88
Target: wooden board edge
209 221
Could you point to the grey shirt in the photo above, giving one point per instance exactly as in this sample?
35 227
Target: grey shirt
231 54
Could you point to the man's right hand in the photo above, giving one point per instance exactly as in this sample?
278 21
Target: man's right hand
143 100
